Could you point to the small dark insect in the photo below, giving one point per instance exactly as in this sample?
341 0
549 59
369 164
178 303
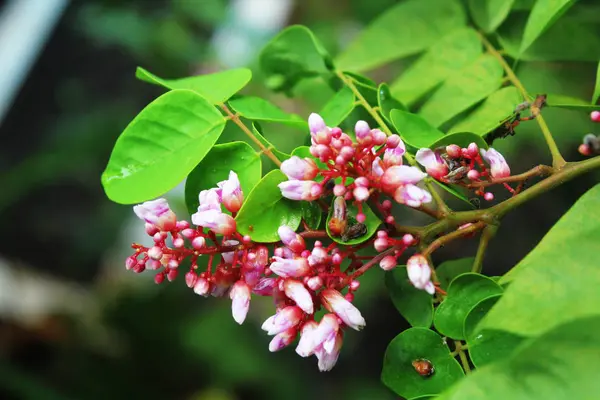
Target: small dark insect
423 367
355 231
592 141
506 129
457 174
339 218
329 185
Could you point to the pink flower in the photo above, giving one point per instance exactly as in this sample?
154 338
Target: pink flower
296 291
296 168
320 133
291 239
283 320
210 200
300 190
388 263
326 332
231 193
595 116
328 359
336 303
201 287
255 265
363 133
283 339
306 345
377 167
264 287
361 193
393 156
412 195
419 273
433 163
157 213
290 268
215 220
498 166
240 301
398 175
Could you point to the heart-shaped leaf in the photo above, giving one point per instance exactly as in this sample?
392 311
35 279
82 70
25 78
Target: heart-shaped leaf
416 306
464 89
161 146
419 344
372 223
451 53
415 130
487 346
265 210
238 157
464 292
256 108
216 88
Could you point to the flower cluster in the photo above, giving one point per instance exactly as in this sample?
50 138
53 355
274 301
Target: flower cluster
300 280
374 163
591 142
453 164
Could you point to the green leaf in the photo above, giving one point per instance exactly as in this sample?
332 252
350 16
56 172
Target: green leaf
560 365
570 103
463 90
596 94
543 15
256 108
216 88
337 109
448 270
569 39
372 222
387 102
413 344
161 146
463 139
294 54
239 157
258 133
414 130
404 29
487 346
366 87
455 191
448 55
489 14
416 306
311 214
492 113
558 281
464 292
265 210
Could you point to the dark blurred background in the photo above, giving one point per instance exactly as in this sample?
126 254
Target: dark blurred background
73 323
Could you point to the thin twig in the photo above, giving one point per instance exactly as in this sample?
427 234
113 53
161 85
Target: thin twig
236 119
486 235
540 170
437 243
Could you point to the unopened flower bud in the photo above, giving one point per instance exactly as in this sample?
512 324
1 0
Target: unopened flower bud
361 193
363 133
379 137
172 274
473 149
419 273
339 190
398 175
240 301
155 253
151 229
595 116
285 267
354 285
130 262
433 163
300 190
381 244
488 196
315 283
412 196
453 151
346 311
387 263
283 340
153 265
296 291
216 221
201 287
408 239
361 217
159 278
198 242
473 174
393 141
296 168
291 239
190 279
316 123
